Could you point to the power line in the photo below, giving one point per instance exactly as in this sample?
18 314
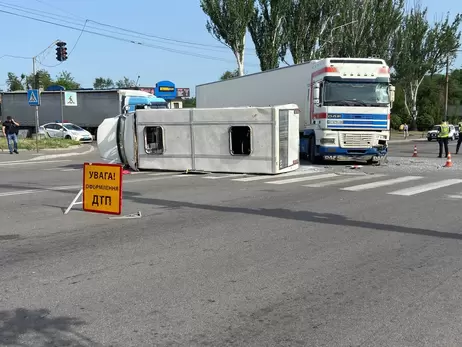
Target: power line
72 49
121 39
120 30
133 31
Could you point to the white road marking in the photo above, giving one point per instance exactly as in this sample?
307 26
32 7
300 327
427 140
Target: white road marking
267 177
34 191
300 179
52 189
162 174
426 187
225 176
454 196
27 162
382 183
344 180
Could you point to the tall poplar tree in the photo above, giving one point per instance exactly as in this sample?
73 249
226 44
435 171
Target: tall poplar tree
423 49
267 28
228 21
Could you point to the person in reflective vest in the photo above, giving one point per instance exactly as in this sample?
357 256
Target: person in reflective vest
459 140
443 138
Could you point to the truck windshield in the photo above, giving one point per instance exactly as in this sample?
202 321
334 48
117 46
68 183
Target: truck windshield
159 105
355 94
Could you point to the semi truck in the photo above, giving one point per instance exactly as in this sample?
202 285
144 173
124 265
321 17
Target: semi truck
344 104
93 106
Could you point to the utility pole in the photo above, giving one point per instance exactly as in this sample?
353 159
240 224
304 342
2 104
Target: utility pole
446 97
332 36
36 85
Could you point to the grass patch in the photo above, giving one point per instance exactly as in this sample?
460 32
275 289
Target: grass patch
30 144
395 134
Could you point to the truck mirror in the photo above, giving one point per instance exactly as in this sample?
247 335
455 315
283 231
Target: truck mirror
316 92
392 94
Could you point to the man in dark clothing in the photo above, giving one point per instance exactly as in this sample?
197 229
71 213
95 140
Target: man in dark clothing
10 130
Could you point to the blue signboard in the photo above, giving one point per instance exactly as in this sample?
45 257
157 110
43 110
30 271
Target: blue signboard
165 90
33 97
55 88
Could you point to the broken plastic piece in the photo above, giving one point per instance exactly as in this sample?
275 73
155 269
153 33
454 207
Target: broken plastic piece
128 216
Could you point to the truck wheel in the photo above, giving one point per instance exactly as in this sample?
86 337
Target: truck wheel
429 139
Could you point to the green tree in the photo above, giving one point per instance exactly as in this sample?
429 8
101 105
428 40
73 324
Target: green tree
229 74
228 21
303 27
66 80
14 82
125 82
422 49
103 83
42 79
363 29
189 103
267 29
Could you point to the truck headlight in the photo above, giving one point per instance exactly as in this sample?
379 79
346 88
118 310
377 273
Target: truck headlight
326 140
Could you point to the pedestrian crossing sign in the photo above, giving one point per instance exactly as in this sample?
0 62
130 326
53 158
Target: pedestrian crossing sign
70 99
33 97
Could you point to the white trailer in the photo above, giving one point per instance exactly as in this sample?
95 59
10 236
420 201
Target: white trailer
235 140
344 103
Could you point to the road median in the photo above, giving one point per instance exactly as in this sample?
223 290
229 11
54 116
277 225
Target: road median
43 144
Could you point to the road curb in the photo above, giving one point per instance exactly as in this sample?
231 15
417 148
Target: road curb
72 154
406 141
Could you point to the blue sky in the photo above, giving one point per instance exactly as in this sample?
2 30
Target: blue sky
98 56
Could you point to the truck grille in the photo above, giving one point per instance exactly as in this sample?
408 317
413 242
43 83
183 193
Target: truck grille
356 140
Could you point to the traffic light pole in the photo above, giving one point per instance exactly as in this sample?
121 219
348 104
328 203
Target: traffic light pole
37 86
34 72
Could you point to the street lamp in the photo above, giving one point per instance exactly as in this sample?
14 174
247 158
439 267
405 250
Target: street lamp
332 38
446 97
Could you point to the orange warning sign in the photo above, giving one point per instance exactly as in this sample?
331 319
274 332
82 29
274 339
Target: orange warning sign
102 188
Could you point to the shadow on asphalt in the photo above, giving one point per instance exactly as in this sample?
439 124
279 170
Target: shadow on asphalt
305 216
40 329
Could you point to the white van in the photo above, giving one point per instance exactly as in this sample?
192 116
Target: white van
433 134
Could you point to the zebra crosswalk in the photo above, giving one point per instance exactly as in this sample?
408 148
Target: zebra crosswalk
403 186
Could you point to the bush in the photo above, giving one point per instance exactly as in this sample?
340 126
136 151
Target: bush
425 122
395 121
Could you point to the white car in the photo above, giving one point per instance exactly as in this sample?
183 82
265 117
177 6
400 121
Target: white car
67 131
433 134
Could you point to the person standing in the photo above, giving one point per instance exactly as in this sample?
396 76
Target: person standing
406 131
459 140
443 138
10 130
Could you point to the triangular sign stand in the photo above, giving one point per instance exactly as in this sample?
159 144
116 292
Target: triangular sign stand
75 202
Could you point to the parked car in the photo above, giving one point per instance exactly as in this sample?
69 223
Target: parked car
67 131
453 132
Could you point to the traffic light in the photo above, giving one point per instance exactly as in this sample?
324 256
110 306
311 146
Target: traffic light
61 51
64 53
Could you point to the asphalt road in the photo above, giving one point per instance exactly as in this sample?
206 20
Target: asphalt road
220 260
424 148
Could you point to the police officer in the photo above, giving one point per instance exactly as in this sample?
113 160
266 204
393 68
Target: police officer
443 138
459 140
